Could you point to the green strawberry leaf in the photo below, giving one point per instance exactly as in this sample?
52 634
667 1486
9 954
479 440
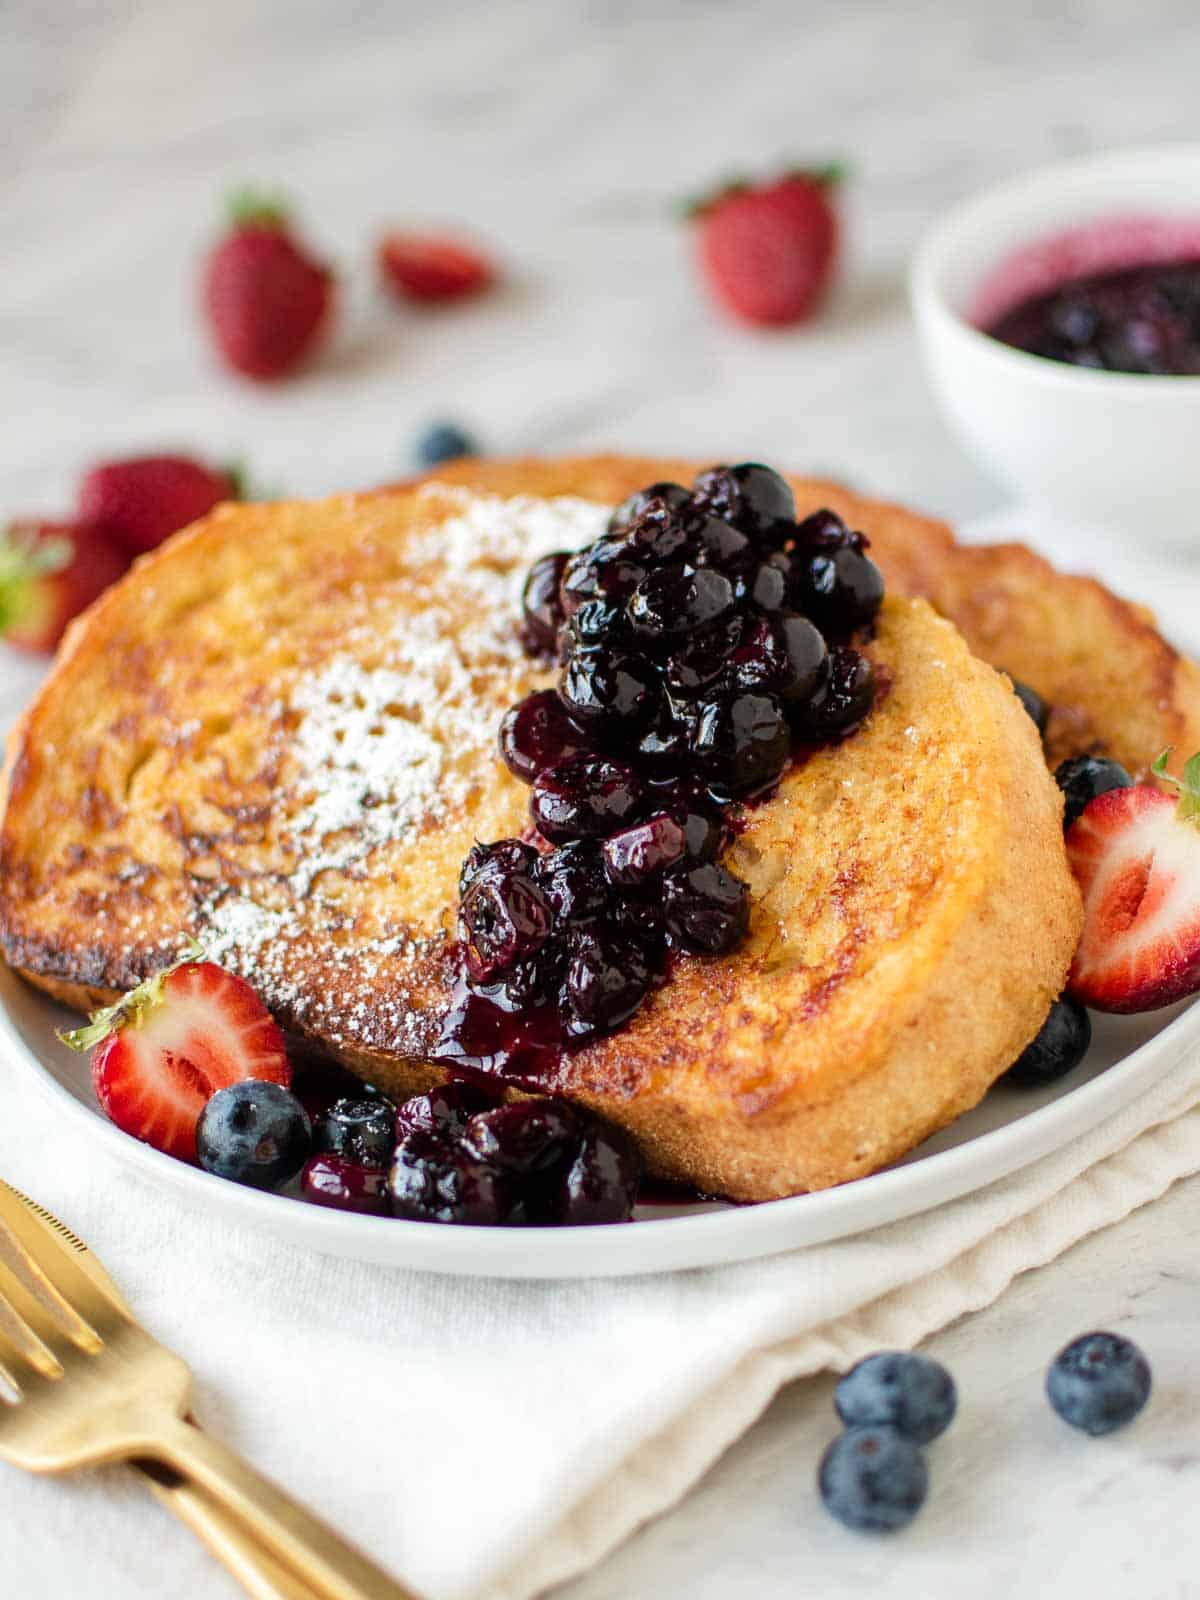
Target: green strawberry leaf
256 208
131 1008
23 561
1188 786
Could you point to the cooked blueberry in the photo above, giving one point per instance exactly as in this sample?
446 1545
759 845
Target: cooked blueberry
539 732
360 1130
445 1109
600 1185
1098 1382
255 1133
770 583
638 854
898 1389
742 741
1075 320
841 590
541 607
602 571
600 685
435 1180
873 1479
584 799
749 495
659 534
505 855
525 1137
1082 778
677 599
700 821
606 982
573 881
846 698
637 921
503 918
666 744
706 908
721 545
1035 706
673 496
825 530
600 621
1058 1049
346 1185
783 655
531 981
703 656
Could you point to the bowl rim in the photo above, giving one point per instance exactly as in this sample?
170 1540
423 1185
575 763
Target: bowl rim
929 301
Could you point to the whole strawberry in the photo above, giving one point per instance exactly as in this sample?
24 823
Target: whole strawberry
768 250
140 501
266 299
49 573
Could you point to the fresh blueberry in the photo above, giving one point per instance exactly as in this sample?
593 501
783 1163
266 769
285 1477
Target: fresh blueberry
1039 711
255 1133
443 441
1098 1382
1082 778
1058 1049
873 1479
898 1389
359 1130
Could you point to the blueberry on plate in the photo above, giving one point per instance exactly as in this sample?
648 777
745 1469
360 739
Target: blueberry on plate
443 441
873 1479
1035 706
1058 1049
358 1130
1098 1382
343 1185
895 1388
255 1133
1082 778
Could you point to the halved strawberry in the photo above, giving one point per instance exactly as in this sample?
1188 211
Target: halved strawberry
1136 855
163 1051
430 267
49 573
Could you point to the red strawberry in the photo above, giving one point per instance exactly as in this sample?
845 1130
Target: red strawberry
49 573
266 298
767 250
165 1050
139 502
1136 855
418 266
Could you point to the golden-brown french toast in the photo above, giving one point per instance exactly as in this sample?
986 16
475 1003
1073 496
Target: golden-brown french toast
1114 685
278 735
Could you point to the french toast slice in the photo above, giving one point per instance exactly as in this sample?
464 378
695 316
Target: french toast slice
1115 686
277 735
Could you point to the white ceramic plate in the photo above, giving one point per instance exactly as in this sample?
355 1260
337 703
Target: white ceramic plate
1010 1129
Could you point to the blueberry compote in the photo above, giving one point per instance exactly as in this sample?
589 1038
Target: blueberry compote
700 642
1142 320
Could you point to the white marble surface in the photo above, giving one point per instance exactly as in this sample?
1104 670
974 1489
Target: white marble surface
564 133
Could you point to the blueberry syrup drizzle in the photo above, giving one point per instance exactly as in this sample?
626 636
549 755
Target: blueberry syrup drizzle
1139 319
704 643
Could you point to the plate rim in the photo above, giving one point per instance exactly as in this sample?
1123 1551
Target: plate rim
653 1245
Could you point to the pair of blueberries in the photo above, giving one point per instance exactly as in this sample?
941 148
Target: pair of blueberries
874 1476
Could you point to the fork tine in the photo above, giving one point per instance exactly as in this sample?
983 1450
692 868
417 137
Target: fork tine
18 1268
62 1285
17 1336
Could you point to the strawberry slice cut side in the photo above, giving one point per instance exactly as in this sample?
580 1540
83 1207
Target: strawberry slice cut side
165 1050
1136 855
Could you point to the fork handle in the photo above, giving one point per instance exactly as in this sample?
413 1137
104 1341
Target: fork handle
308 1547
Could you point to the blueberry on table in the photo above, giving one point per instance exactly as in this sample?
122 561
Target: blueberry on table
255 1133
358 1130
1058 1048
873 1479
1082 778
443 441
1098 1382
898 1389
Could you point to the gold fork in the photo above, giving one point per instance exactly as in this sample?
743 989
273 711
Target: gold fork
86 1385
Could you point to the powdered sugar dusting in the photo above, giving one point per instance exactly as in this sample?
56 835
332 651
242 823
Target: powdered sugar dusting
387 734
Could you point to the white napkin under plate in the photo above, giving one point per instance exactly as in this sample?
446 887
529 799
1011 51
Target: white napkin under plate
488 1438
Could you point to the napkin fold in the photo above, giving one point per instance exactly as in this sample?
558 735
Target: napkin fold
488 1439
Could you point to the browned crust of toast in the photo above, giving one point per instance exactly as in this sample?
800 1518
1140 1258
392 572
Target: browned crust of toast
913 911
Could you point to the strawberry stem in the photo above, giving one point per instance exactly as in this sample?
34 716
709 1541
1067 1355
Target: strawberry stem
23 561
131 1009
1188 786
827 175
255 208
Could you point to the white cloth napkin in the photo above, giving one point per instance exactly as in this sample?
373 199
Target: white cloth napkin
488 1439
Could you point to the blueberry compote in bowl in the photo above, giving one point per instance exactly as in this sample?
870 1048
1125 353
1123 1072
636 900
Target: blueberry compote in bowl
1059 317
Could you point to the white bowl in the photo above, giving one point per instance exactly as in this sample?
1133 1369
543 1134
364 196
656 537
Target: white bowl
1103 448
